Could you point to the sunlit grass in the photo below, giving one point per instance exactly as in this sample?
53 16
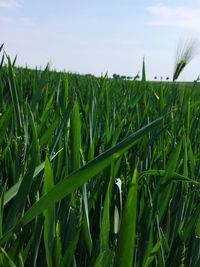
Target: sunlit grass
98 171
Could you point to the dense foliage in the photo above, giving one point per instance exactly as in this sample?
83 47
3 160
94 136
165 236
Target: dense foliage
98 171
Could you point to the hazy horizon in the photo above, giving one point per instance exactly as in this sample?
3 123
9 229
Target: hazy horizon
100 37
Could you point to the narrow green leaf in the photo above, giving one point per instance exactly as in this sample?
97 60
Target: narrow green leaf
14 95
75 137
68 255
49 214
45 113
7 262
57 254
153 253
197 229
105 224
143 71
192 226
46 138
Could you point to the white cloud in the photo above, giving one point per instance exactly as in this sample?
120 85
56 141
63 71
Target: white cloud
181 17
9 4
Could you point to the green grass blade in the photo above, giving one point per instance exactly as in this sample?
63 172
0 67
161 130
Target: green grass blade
105 225
153 253
14 95
49 214
75 137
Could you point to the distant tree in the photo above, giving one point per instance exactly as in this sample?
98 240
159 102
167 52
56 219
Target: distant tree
116 76
89 75
155 77
167 78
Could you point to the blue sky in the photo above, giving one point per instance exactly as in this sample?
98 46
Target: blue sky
100 36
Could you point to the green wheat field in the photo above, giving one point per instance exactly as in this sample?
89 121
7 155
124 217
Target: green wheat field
98 171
